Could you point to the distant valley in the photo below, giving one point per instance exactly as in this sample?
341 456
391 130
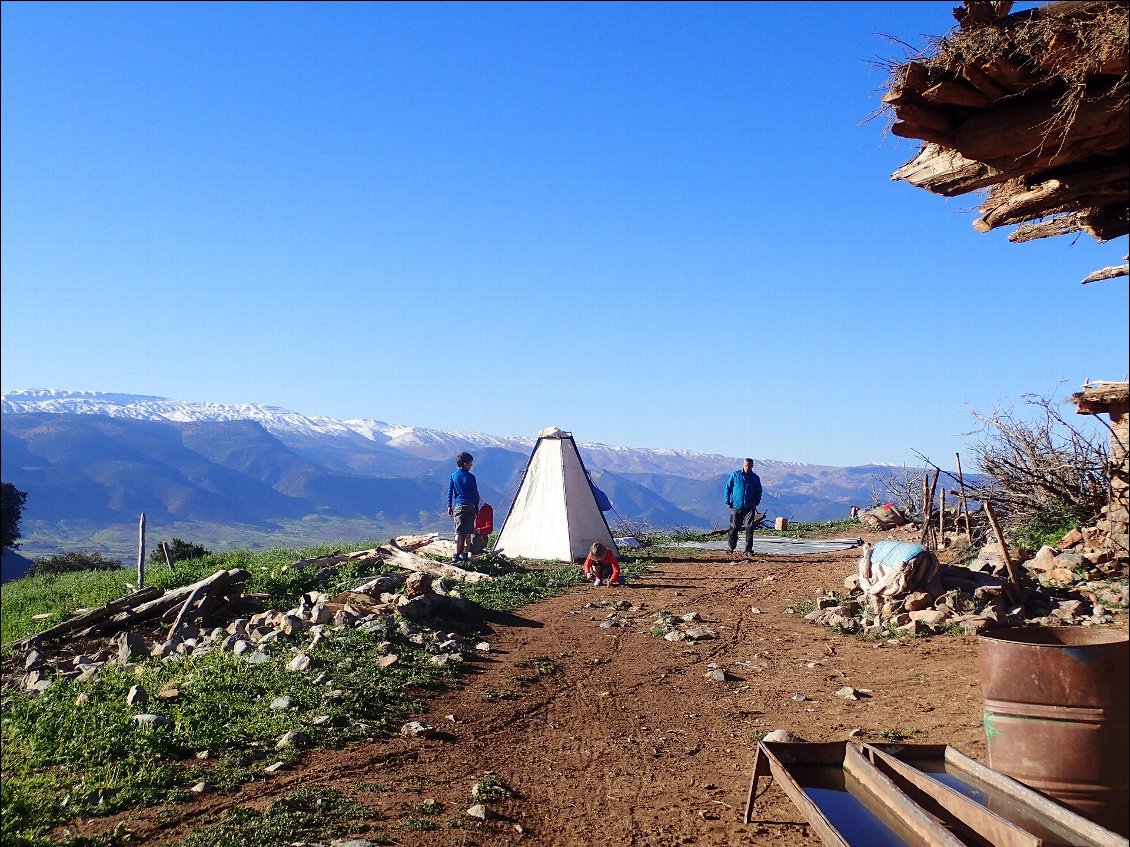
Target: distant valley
250 475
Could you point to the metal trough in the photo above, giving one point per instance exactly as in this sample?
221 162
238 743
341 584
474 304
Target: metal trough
847 801
861 795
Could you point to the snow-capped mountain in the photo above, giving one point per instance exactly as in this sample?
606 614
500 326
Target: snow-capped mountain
420 442
91 460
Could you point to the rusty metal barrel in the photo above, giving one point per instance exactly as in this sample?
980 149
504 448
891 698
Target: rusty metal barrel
1056 715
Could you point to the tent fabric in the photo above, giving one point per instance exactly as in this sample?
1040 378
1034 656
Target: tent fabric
555 514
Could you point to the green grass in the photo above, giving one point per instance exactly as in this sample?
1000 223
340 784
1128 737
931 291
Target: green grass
67 756
270 572
309 812
62 759
814 529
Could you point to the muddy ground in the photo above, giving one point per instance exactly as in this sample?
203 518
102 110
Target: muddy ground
628 742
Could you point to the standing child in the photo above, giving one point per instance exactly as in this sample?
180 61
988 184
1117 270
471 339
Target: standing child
601 565
462 505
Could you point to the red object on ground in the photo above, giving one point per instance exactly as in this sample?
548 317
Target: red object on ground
484 520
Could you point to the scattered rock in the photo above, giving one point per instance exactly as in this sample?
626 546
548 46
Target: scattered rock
783 736
291 738
136 696
417 729
280 703
479 812
299 663
147 721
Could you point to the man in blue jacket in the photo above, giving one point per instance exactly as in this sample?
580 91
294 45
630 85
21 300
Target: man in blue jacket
743 493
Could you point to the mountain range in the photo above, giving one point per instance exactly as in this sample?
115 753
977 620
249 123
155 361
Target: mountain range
91 462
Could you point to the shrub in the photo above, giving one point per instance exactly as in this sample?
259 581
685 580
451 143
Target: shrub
72 563
179 551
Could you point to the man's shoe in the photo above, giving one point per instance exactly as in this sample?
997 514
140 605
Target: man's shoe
749 554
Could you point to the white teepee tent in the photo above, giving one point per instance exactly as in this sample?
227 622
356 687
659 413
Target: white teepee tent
555 515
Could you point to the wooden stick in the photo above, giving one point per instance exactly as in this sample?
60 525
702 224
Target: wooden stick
942 517
1004 547
964 503
184 608
168 555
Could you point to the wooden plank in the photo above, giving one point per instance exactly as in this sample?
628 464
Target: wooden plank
1095 835
950 803
883 789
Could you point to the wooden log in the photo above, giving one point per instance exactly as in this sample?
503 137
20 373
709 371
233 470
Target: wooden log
1112 272
168 600
1034 125
908 130
926 117
200 587
942 170
1046 229
93 616
954 93
985 84
411 562
1092 185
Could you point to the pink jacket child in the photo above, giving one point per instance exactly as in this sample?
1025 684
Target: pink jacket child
601 565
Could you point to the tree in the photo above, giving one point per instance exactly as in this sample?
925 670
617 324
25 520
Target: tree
1043 471
12 505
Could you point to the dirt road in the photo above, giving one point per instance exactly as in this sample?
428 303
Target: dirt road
616 736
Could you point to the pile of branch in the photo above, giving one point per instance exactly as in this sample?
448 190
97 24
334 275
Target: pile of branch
214 595
1032 106
220 596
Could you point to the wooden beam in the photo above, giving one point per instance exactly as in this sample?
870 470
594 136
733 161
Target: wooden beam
1113 272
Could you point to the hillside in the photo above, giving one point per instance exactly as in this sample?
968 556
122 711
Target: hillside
247 474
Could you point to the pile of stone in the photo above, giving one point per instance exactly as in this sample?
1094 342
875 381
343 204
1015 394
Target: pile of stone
685 627
396 601
1058 588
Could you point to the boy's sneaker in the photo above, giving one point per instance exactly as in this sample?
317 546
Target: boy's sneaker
596 581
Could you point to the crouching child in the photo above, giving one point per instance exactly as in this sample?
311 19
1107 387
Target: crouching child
602 566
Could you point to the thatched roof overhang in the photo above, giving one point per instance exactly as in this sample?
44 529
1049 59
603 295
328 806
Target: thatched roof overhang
1033 109
1110 398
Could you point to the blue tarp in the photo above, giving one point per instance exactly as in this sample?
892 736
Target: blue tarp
890 553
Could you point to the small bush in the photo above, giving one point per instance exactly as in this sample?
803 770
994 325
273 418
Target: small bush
72 562
179 551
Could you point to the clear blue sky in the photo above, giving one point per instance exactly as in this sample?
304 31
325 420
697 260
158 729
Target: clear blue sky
659 225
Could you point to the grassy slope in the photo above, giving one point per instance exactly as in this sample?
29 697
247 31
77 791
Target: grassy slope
72 751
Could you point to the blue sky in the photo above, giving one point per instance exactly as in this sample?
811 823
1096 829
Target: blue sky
657 225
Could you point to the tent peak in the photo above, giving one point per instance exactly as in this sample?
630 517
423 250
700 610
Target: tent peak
554 432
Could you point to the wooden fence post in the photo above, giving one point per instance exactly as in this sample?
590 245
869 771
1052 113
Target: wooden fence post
964 502
141 552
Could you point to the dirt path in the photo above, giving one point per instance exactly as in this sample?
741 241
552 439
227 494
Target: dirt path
628 742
